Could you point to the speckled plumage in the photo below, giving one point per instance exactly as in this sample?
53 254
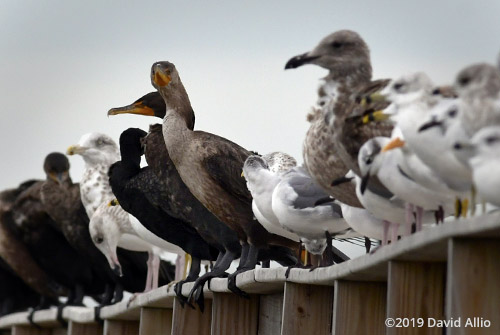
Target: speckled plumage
333 138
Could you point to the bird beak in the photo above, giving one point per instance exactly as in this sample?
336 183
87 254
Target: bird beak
299 60
113 202
431 124
161 78
242 174
364 182
393 144
463 146
341 180
58 178
135 108
374 97
75 149
376 116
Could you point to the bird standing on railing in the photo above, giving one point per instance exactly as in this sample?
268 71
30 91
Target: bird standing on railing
210 166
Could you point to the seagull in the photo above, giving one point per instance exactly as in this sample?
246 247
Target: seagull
304 208
99 152
379 176
478 87
111 227
261 182
328 148
484 153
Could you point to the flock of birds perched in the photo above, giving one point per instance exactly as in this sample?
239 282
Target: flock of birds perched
382 159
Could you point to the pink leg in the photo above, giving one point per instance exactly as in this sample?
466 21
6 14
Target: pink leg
150 271
394 232
156 271
385 238
409 217
420 215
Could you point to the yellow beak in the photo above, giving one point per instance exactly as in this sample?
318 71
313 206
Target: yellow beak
376 116
393 144
74 149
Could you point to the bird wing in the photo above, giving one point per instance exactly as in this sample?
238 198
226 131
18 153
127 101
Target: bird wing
225 166
308 193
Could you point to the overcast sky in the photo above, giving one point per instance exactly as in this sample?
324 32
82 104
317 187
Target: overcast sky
64 64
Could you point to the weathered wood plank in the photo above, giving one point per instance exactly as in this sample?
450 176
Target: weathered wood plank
155 321
232 314
415 290
270 314
28 330
121 327
75 328
473 289
307 309
355 301
191 321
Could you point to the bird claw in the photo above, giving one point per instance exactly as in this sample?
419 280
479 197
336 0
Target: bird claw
231 285
59 316
178 293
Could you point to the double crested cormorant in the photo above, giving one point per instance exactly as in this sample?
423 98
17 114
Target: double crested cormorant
210 166
176 199
16 254
15 295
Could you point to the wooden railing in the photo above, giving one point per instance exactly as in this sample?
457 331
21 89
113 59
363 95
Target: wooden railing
450 272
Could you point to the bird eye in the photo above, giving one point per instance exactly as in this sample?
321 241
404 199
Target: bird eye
464 81
336 45
436 91
452 113
492 139
398 86
99 240
369 160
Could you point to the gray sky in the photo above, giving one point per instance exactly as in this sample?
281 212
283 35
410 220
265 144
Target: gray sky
64 64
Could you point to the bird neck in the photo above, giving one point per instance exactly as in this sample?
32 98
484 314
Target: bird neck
352 75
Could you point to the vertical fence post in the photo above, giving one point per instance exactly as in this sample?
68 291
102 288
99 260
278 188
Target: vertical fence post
307 309
232 314
415 290
75 328
191 321
155 321
355 301
121 327
270 314
473 290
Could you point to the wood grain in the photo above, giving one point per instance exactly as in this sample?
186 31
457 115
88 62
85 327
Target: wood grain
355 301
75 328
191 321
307 309
232 314
473 289
121 327
27 330
270 314
155 321
416 290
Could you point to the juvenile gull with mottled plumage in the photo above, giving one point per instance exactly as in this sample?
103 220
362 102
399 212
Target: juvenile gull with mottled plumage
332 141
